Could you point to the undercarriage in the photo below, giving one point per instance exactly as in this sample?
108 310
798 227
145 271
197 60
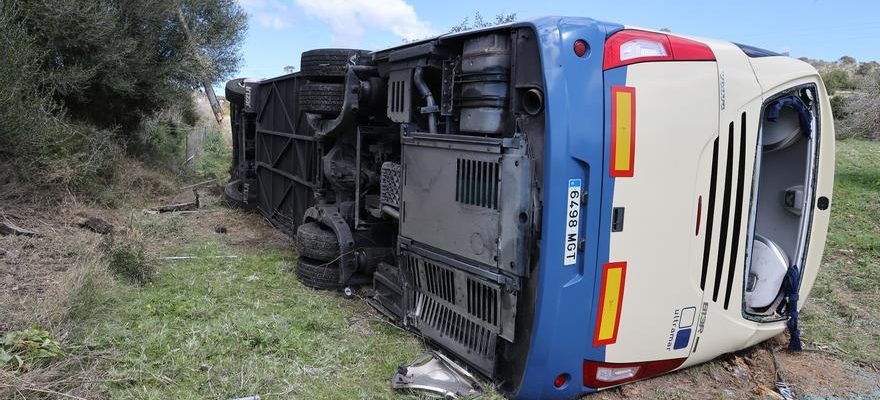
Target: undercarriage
410 175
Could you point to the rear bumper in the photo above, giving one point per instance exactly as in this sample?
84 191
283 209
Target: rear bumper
575 148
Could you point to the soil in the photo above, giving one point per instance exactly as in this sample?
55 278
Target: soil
750 374
32 268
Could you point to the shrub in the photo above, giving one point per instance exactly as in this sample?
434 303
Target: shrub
839 107
862 111
38 146
129 261
129 59
837 79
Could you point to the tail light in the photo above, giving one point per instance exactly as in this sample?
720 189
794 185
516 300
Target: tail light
600 374
632 46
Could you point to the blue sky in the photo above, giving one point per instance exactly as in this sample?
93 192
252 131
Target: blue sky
282 29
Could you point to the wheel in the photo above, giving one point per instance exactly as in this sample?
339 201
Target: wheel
328 65
317 242
321 98
317 274
235 195
348 292
235 91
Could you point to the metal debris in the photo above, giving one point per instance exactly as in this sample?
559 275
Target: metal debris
173 258
781 385
186 201
432 372
8 228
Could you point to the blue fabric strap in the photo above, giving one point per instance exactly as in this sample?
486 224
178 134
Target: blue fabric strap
796 104
791 287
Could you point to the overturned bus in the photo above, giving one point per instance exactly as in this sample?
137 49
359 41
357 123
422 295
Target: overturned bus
565 205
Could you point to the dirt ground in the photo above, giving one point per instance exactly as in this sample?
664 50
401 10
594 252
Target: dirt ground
36 272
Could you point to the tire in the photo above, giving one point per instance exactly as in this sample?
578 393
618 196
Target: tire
328 65
317 275
321 98
316 242
235 91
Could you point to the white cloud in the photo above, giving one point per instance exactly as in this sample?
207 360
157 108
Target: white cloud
269 13
350 19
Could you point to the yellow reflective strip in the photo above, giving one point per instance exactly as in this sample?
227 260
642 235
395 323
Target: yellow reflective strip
613 279
623 135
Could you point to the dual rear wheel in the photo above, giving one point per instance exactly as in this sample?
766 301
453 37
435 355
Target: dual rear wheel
317 266
325 70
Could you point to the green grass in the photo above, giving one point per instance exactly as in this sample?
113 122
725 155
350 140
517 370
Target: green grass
845 312
215 328
215 158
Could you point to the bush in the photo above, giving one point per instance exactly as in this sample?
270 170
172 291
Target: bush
38 146
838 79
84 81
129 59
862 111
839 107
129 261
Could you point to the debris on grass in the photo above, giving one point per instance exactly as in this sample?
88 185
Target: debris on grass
186 201
24 349
8 228
177 258
93 223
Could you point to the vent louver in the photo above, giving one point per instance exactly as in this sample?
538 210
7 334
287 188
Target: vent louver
477 183
728 244
456 309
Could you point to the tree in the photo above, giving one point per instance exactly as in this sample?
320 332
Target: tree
113 62
847 60
479 22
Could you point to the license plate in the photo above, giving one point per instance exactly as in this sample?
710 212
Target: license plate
572 221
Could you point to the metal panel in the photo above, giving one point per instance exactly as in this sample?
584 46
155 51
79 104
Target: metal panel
287 155
399 96
458 310
480 186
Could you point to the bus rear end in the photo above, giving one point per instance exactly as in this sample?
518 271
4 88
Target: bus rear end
684 221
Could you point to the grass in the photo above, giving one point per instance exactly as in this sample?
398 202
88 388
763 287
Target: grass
215 328
844 313
215 158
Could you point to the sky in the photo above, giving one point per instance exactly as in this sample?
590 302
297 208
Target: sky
279 30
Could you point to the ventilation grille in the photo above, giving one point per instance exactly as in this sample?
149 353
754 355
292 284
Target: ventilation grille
399 97
390 184
482 301
732 178
396 98
477 341
458 310
477 183
438 281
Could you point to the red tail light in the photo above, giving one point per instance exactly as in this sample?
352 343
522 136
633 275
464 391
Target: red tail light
600 374
632 46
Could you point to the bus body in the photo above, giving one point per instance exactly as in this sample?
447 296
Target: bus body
565 205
